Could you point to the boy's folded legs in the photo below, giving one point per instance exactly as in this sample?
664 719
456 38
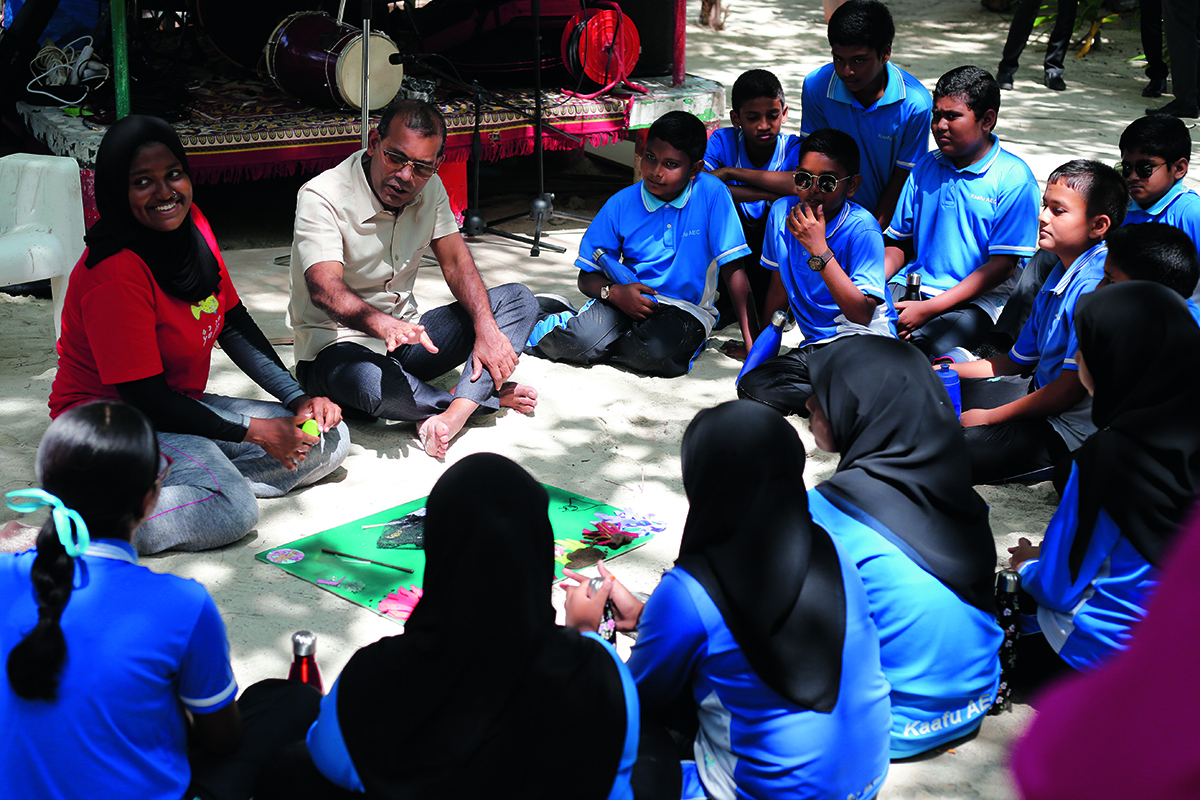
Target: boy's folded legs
783 382
662 345
1004 451
583 338
966 328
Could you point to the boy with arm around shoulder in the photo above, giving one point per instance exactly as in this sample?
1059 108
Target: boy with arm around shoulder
756 162
885 109
826 254
965 221
1034 429
674 230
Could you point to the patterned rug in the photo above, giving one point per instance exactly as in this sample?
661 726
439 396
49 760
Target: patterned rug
246 128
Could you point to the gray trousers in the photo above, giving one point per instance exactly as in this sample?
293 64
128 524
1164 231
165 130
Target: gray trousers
208 499
395 385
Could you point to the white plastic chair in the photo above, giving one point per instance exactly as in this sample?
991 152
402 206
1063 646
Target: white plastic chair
41 222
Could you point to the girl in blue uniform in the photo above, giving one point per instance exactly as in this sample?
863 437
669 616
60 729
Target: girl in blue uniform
1131 483
902 506
470 700
112 668
762 627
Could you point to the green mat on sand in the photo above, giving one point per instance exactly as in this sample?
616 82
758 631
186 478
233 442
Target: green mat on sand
395 537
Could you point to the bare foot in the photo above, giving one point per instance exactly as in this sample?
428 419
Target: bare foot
16 537
436 432
434 435
735 349
518 397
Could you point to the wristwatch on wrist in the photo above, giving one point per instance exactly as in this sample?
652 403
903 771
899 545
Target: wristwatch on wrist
817 263
605 291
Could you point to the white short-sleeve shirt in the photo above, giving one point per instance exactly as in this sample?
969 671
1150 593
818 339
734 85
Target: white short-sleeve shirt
339 218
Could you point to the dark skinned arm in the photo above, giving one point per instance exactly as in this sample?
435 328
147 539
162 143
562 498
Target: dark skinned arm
888 197
1060 394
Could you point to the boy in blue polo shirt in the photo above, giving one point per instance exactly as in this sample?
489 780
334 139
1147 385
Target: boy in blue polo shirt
862 92
1012 426
673 232
966 219
827 256
756 162
1155 151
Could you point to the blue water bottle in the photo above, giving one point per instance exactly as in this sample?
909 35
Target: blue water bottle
766 346
950 381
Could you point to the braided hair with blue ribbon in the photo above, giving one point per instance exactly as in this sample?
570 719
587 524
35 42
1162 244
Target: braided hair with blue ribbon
98 467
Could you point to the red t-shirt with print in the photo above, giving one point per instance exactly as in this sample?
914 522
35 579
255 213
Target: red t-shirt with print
119 326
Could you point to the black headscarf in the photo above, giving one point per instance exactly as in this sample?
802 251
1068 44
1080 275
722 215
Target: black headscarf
181 261
904 460
773 573
1142 349
475 693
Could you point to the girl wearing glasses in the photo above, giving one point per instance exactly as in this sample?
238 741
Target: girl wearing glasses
145 305
109 665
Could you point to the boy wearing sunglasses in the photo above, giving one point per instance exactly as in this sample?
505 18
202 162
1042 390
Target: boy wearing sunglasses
826 255
361 229
1155 151
966 219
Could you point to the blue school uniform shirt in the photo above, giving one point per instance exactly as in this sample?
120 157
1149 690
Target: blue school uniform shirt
676 247
959 218
328 748
1179 207
753 743
1088 619
940 654
893 132
141 647
857 243
1048 339
727 148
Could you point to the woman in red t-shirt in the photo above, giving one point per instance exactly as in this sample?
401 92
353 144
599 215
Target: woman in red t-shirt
144 307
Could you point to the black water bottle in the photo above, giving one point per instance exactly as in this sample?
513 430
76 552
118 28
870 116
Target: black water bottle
1008 585
912 288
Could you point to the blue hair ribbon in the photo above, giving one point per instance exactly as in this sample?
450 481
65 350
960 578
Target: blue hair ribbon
72 530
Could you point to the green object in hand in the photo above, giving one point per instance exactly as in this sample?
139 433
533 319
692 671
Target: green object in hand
310 427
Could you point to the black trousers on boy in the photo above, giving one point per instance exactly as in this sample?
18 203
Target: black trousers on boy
662 345
1008 449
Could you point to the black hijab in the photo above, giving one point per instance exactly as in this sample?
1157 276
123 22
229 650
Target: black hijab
904 461
181 261
771 571
1142 349
474 695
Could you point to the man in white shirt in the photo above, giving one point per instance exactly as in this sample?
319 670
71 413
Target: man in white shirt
361 229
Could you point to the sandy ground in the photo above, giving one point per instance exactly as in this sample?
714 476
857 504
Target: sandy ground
599 431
